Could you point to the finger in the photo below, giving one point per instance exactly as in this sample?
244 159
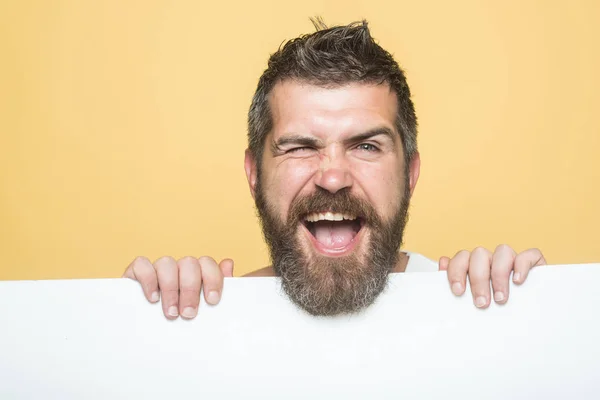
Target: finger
479 276
444 263
168 281
457 272
524 262
212 280
141 270
226 266
129 271
502 265
190 282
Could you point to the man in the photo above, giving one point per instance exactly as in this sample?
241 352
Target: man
332 163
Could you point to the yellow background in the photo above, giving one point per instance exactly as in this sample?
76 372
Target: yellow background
123 126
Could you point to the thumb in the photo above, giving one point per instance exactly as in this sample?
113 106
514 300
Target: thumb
444 262
226 266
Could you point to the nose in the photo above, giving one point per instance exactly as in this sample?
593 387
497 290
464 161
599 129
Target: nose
334 173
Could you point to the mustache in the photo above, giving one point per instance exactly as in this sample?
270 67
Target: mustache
341 201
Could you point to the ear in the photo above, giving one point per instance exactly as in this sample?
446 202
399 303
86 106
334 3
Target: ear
414 171
250 167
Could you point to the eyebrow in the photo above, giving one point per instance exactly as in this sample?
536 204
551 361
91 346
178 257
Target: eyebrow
296 139
310 141
383 130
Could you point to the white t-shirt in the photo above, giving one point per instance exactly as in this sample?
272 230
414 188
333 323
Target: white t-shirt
420 263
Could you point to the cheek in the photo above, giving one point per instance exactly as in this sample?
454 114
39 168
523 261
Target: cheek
383 184
286 181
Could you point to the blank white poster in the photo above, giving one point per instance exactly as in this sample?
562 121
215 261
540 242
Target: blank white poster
100 339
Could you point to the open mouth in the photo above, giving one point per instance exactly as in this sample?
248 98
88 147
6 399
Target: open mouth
333 232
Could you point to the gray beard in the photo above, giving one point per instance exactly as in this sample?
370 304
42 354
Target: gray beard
327 286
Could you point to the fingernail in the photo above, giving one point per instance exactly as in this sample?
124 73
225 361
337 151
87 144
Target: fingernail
517 277
499 297
189 312
173 312
480 301
457 288
213 297
154 297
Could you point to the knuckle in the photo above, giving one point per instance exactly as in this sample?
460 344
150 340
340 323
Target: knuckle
137 267
500 282
213 282
139 260
140 270
503 248
164 259
479 251
462 253
189 291
190 281
170 292
535 251
187 260
206 260
500 274
457 271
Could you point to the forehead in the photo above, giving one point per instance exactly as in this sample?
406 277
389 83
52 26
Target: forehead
300 106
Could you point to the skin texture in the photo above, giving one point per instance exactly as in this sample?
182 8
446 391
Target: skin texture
315 143
333 149
333 118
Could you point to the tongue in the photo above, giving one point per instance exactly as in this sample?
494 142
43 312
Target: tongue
334 234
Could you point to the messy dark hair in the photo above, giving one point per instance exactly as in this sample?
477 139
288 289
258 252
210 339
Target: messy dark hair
332 57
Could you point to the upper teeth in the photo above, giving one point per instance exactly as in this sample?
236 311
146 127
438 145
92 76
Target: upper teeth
328 216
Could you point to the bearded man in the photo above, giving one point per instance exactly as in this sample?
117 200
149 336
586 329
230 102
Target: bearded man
332 163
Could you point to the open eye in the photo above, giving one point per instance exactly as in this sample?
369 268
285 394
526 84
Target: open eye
369 147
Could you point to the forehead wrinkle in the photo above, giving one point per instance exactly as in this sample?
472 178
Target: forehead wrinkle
300 109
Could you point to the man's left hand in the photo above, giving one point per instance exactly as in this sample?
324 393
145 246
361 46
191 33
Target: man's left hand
481 265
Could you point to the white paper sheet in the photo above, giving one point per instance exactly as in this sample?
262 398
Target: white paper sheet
100 339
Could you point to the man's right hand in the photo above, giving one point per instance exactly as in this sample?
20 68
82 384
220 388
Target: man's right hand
178 283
